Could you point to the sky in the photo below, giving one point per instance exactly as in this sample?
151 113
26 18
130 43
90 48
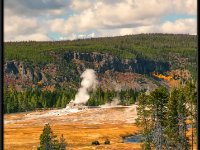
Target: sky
47 20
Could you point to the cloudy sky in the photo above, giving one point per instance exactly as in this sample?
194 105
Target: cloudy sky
43 20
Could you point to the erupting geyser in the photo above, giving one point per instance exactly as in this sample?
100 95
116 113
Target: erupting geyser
88 83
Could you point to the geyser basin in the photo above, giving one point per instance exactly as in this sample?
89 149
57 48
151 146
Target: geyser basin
84 115
79 127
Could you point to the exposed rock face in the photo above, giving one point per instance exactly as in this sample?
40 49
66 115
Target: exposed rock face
106 62
11 68
123 81
18 73
111 71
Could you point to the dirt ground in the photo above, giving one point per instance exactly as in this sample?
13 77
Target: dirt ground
80 128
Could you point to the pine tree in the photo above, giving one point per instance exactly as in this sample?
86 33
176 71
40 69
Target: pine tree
191 100
172 119
163 119
144 119
159 99
48 140
33 102
62 143
63 101
183 142
58 103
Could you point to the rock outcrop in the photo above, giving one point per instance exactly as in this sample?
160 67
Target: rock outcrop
110 69
104 62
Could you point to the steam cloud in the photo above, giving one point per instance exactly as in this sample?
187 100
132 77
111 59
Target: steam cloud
114 102
88 83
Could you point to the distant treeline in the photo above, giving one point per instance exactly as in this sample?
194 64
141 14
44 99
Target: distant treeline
35 99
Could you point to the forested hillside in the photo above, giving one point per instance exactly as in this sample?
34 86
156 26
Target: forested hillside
131 62
160 47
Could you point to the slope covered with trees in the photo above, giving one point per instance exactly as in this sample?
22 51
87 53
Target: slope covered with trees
47 74
174 48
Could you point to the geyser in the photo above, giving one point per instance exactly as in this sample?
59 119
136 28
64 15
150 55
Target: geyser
88 84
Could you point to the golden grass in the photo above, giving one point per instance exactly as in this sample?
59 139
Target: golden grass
77 136
24 134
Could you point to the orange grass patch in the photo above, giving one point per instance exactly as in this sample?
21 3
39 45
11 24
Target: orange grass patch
24 134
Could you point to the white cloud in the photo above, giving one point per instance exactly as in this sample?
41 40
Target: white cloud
78 5
56 12
103 17
180 26
124 14
185 6
77 36
34 37
21 28
35 8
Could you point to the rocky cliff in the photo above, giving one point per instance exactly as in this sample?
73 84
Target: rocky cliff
112 71
104 62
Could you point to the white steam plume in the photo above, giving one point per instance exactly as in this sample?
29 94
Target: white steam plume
114 102
88 83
